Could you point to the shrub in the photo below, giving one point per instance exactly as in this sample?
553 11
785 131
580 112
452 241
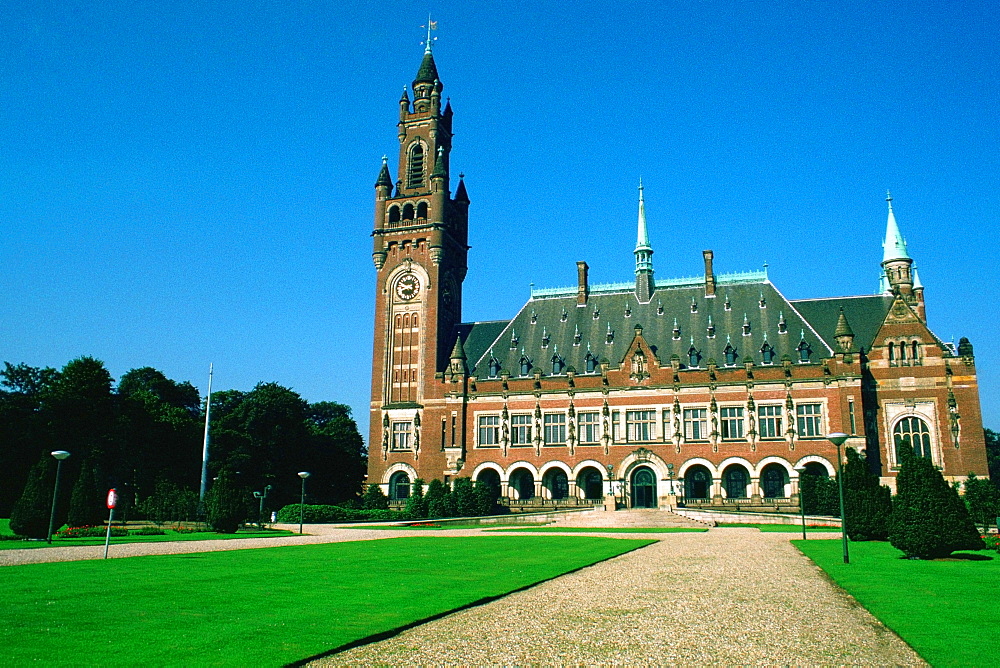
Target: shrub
982 498
464 498
319 514
87 502
867 503
820 495
992 541
226 505
149 531
416 505
169 502
30 516
438 500
929 520
374 499
91 532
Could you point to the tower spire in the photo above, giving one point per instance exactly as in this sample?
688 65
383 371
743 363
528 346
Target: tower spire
643 256
896 261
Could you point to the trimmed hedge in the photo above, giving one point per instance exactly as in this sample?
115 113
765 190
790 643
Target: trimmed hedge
314 514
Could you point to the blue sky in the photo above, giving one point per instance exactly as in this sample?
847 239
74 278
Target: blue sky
192 182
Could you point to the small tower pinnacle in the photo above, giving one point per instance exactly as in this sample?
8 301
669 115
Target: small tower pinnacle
896 261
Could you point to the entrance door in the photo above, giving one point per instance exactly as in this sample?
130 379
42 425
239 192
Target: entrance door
643 489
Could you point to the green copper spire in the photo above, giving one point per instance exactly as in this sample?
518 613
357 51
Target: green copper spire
894 246
643 251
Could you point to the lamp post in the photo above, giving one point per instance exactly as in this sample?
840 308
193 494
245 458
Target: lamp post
60 455
260 511
302 501
838 438
802 501
670 479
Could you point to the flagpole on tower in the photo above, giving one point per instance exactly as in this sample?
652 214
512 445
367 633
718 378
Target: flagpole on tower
204 450
431 25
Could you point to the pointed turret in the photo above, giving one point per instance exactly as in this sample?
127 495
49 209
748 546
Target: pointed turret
439 169
843 333
384 179
918 295
460 193
457 357
896 260
644 286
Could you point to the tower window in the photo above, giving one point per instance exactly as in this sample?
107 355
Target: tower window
415 172
407 212
422 210
393 214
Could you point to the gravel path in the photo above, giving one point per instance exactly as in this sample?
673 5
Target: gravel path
729 596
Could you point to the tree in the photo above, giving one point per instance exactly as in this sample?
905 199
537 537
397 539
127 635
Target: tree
30 516
337 451
226 504
929 520
438 500
169 502
867 503
374 499
993 455
486 498
88 503
22 433
982 499
464 498
820 495
416 505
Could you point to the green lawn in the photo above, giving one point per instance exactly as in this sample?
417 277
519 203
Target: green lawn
946 610
778 528
266 607
429 526
608 530
169 536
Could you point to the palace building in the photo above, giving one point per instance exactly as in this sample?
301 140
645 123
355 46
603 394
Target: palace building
704 391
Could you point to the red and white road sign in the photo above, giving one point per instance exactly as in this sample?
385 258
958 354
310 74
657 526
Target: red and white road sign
112 498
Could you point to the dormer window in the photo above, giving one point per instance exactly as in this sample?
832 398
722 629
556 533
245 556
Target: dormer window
767 352
710 330
525 365
762 301
494 367
694 357
677 331
565 316
694 306
577 336
513 339
730 354
782 325
545 338
591 362
415 169
804 351
728 305
610 337
659 308
557 364
746 325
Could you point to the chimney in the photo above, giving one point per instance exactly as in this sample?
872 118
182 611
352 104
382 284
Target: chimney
583 289
709 276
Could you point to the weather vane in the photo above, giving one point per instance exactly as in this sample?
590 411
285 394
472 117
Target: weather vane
431 25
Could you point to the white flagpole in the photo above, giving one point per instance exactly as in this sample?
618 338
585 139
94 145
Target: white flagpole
204 451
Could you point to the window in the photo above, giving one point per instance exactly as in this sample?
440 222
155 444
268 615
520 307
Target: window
525 366
494 367
415 171
555 428
616 418
732 422
730 353
591 363
850 410
407 212
804 351
809 418
767 352
695 424
640 425
520 430
422 210
401 435
393 214
772 481
399 486
694 357
557 364
489 431
590 428
769 421
912 432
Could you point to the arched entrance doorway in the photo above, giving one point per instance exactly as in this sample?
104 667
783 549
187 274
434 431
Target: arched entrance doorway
643 488
735 480
491 480
773 480
557 483
591 483
399 486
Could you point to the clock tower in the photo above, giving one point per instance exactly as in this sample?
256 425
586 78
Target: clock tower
420 250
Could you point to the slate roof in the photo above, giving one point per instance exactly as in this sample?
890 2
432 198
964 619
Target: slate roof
864 314
551 323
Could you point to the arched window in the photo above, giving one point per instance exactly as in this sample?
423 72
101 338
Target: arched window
902 353
892 354
557 483
773 479
591 482
415 170
407 212
698 482
644 488
735 480
422 210
393 214
912 432
399 486
915 351
489 479
522 483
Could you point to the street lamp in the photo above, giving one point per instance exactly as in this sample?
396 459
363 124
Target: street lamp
802 501
60 455
838 438
302 501
260 512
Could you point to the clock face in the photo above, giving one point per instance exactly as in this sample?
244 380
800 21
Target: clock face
407 287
